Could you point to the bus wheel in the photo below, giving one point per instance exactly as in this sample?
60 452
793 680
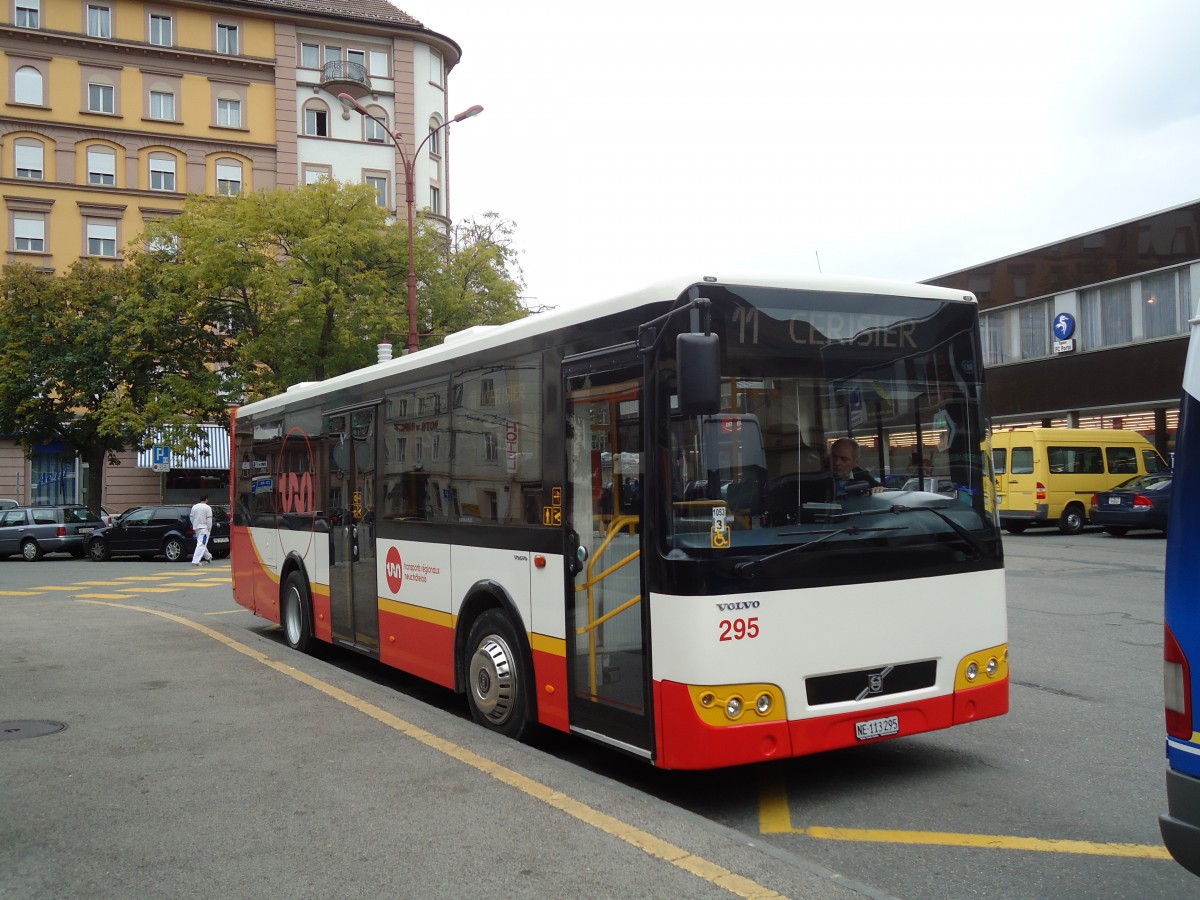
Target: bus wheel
497 683
296 613
1071 521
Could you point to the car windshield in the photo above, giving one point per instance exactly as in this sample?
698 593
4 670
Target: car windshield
80 514
887 384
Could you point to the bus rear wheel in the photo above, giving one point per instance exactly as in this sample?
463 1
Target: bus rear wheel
497 678
296 613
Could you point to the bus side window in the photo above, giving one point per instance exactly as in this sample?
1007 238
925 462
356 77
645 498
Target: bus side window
1121 460
999 460
1022 461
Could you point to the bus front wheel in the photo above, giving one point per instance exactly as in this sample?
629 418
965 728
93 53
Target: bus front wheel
497 679
296 613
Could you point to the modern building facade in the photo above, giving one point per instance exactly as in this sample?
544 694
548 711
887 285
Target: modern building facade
117 110
1091 331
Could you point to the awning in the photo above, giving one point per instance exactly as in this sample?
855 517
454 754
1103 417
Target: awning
212 452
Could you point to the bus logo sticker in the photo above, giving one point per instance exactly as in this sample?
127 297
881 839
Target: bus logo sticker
393 568
874 683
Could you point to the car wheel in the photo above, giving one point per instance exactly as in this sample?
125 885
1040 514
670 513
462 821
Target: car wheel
1015 527
296 613
1072 520
30 550
497 679
97 550
173 549
1116 530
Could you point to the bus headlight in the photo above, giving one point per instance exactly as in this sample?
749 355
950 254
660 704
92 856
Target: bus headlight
729 704
733 707
763 704
972 670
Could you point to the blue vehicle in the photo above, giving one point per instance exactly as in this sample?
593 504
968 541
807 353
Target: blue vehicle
1180 825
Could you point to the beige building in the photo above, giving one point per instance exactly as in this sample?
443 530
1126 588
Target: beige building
116 110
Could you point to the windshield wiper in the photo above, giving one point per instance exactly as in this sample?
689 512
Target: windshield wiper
752 568
896 509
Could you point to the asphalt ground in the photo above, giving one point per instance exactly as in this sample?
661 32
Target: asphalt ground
202 758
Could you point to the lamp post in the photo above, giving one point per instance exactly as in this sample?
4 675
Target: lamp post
410 200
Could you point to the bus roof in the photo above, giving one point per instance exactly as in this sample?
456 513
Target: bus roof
483 337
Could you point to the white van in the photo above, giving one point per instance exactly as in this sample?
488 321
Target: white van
1046 476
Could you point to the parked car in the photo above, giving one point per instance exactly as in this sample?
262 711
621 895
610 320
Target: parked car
34 531
149 531
1142 502
8 504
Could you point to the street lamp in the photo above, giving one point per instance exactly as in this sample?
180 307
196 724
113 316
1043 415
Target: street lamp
410 200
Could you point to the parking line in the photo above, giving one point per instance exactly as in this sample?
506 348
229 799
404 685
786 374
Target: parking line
775 817
648 843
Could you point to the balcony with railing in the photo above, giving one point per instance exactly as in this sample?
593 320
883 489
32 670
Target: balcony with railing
340 76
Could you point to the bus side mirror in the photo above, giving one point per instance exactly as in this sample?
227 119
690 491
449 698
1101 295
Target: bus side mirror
698 361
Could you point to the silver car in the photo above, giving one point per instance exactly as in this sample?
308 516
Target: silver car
34 531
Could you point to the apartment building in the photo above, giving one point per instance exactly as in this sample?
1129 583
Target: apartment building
117 110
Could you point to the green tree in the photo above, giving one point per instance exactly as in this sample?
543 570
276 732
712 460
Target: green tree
92 363
306 282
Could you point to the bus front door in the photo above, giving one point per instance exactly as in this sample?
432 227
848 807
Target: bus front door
608 659
353 595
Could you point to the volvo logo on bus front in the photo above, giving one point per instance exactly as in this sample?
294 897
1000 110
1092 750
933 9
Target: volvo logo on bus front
874 683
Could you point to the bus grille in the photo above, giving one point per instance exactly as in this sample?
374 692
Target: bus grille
867 683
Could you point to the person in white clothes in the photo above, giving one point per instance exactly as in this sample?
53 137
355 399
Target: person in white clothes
202 517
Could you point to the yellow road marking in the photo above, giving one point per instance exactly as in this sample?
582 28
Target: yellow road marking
105 596
775 817
18 594
226 612
648 843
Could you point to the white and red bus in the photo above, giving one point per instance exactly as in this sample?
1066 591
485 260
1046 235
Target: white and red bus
619 519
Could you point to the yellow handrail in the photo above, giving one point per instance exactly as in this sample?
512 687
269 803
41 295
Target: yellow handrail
614 528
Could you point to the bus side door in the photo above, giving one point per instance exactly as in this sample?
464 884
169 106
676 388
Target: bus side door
607 614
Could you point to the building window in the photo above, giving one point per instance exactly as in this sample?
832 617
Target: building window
310 56
162 172
378 63
316 120
99 21
101 239
101 98
380 184
1035 329
29 159
227 38
994 332
357 60
1106 316
27 85
435 200
373 130
435 68
102 166
229 113
434 142
29 233
229 178
1165 303
28 13
314 174
162 105
161 31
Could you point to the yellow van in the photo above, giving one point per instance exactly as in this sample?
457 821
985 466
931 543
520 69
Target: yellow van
1046 476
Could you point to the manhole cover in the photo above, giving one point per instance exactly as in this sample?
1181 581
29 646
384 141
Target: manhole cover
10 731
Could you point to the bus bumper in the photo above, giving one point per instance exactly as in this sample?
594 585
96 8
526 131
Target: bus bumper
686 742
1180 825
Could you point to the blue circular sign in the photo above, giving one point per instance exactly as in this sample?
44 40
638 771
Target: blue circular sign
1064 325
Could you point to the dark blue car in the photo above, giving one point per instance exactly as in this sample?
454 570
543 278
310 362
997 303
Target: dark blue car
1142 502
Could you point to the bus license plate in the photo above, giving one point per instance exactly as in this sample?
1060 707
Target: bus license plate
874 728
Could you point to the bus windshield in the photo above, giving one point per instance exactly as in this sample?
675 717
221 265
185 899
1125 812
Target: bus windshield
889 383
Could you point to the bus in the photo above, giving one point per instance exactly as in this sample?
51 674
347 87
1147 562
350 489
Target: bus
1180 825
618 519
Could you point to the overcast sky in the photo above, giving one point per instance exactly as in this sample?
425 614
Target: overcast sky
635 139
